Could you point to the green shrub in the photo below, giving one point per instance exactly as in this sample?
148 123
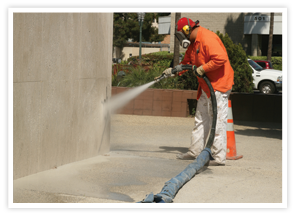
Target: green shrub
276 61
243 80
120 67
159 58
189 81
136 78
114 81
139 76
159 61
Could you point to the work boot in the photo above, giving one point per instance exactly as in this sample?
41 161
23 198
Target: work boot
185 156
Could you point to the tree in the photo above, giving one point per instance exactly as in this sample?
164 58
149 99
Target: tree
243 80
269 51
126 26
176 43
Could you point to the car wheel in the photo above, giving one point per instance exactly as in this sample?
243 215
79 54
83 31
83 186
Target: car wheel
267 87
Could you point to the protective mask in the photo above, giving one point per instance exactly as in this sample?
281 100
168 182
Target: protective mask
184 42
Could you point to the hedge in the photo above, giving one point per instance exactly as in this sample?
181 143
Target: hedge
243 80
276 61
152 59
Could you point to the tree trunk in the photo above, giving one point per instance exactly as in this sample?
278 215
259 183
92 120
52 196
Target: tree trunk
269 51
176 43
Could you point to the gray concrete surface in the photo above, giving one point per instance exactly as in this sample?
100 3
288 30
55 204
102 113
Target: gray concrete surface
142 159
60 79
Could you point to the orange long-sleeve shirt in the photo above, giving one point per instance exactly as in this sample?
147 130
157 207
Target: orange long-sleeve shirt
209 51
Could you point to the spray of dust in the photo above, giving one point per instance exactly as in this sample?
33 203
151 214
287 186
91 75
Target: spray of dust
118 101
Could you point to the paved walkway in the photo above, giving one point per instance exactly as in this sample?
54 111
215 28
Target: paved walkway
142 159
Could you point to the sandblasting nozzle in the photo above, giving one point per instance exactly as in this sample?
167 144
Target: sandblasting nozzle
157 79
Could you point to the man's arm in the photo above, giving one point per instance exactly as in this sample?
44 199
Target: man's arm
186 61
217 54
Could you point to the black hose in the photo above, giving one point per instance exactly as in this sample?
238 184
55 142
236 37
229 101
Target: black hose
172 186
213 101
214 109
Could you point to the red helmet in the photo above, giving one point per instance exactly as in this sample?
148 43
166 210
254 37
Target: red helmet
183 29
184 21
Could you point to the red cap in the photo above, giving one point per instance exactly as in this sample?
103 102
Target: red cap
182 22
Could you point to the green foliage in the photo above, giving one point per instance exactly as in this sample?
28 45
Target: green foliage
124 62
243 80
276 61
189 81
158 62
143 71
159 58
126 26
139 76
114 80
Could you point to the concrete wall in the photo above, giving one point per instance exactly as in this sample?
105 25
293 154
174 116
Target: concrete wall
62 74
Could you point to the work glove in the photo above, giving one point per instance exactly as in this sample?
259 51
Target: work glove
168 72
199 71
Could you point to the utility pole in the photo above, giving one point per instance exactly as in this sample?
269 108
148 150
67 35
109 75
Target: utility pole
269 51
176 43
140 20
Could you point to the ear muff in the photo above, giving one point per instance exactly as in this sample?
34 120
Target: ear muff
186 29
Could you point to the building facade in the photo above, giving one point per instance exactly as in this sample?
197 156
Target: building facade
251 30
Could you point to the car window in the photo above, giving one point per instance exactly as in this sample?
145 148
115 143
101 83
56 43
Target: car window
270 65
255 65
262 64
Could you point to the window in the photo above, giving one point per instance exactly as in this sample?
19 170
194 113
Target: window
255 65
276 45
262 64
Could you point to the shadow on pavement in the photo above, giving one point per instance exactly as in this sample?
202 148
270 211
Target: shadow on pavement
168 149
164 149
259 129
259 124
272 133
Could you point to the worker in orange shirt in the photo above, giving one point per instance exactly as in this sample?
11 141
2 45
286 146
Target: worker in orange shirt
206 51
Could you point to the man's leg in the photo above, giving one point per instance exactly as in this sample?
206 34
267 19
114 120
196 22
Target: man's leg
200 130
220 141
203 122
202 126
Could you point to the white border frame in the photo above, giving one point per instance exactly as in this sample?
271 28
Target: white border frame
127 205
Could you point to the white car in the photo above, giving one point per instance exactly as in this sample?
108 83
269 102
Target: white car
268 81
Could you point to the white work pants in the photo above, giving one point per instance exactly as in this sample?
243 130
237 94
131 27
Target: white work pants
203 123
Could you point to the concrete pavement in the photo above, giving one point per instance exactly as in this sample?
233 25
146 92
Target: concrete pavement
142 159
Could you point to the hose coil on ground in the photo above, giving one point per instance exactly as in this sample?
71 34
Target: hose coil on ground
172 186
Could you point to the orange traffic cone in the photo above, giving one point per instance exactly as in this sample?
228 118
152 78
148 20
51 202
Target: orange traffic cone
231 153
